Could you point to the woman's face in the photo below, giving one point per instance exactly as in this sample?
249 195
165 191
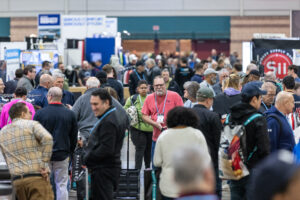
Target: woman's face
142 90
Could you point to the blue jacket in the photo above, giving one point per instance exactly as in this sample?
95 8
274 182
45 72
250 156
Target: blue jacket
280 138
39 95
68 98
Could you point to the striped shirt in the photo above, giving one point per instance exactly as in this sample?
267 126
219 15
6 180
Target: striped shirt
26 146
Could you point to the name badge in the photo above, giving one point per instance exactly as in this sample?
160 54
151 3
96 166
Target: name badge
160 119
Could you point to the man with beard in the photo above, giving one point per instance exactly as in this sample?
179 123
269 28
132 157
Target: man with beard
156 107
210 79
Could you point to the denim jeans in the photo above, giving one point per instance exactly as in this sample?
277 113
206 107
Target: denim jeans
238 189
152 152
59 170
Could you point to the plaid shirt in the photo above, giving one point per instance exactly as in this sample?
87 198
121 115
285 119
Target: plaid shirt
26 145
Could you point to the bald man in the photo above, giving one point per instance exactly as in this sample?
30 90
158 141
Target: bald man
39 95
280 132
61 123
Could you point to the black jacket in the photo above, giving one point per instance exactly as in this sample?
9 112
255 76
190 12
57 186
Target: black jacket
154 71
105 143
116 85
173 86
133 81
211 127
223 103
182 75
256 132
62 125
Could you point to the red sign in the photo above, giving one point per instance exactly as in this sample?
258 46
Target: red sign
155 28
277 62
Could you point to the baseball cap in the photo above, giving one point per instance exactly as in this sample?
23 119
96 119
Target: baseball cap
272 175
252 89
254 72
205 92
210 71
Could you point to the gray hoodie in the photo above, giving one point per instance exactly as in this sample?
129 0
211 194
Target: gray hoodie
85 116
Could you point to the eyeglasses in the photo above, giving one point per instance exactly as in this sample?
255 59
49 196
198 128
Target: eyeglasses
159 85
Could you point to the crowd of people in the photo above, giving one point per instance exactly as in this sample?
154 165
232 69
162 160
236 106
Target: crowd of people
199 121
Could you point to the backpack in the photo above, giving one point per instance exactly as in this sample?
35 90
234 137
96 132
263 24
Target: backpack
133 112
233 150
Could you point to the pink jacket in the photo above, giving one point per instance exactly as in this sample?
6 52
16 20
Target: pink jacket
4 118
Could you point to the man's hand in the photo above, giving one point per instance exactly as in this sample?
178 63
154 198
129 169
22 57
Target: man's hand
158 125
69 106
45 173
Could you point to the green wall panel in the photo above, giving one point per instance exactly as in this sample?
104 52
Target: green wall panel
4 27
175 27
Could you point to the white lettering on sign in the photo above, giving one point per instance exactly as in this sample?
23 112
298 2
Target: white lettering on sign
48 20
280 68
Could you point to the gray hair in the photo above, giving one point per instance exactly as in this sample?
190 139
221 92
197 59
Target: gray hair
150 61
222 71
55 93
192 87
92 82
57 74
268 86
251 67
190 164
270 76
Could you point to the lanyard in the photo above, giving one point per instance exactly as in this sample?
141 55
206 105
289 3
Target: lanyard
265 105
139 75
164 104
142 103
103 116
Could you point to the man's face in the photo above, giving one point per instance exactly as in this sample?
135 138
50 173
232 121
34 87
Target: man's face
141 68
47 67
166 76
142 89
210 102
98 106
159 87
290 72
32 74
289 105
59 82
223 76
269 98
61 67
85 66
256 102
205 66
2 86
212 78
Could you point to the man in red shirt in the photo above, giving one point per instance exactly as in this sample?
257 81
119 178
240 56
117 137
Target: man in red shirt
156 108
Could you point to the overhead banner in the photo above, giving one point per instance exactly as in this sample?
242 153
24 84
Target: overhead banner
274 55
80 27
49 26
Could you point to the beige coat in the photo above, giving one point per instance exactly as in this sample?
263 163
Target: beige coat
167 143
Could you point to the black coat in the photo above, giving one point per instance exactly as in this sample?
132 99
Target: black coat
105 143
182 75
210 125
223 103
62 125
256 132
173 86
